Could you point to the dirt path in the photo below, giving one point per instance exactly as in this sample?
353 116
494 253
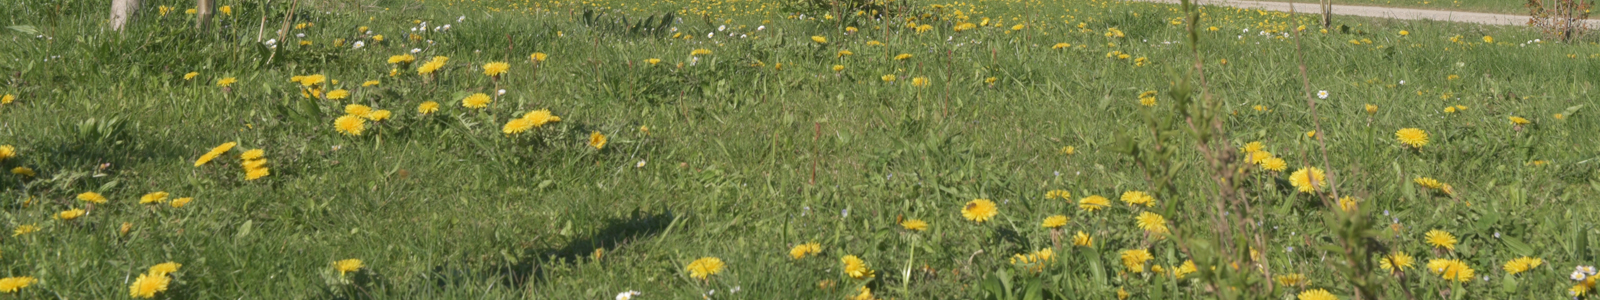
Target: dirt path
1377 11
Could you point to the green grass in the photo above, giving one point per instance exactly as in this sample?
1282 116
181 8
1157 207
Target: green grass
1488 6
743 160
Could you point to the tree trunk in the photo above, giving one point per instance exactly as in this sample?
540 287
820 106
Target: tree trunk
1327 13
121 12
204 9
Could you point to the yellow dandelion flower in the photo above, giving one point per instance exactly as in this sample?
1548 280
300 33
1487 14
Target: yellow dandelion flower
865 294
1316 294
1055 221
855 267
1518 120
257 173
538 56
1522 264
163 269
653 61
1093 203
180 202
92 197
226 82
312 80
914 225
979 210
1058 194
1308 180
541 117
699 52
8 98
1060 46
23 171
1082 239
1274 164
516 126
843 53
496 68
338 94
191 75
148 285
370 83
919 82
402 59
888 78
802 250
1184 270
357 109
350 125
1395 260
433 65
838 68
1450 269
156 197
477 100
379 115
1293 279
704 267
1440 239
347 266
70 214
1138 198
214 153
1348 204
1251 147
819 39
1152 223
1134 259
427 107
1416 138
7 152
597 140
14 284
902 56
1488 39
253 154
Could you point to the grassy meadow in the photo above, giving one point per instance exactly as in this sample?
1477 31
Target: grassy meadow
1488 6
1001 149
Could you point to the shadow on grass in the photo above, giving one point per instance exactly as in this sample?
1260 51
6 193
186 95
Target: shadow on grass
532 266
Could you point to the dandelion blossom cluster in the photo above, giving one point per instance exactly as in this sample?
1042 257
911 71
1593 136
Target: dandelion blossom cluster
1450 269
1134 259
803 250
255 164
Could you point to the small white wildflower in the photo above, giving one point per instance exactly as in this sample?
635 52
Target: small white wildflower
628 295
759 28
723 27
358 45
300 35
462 18
500 92
416 50
1322 94
640 164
